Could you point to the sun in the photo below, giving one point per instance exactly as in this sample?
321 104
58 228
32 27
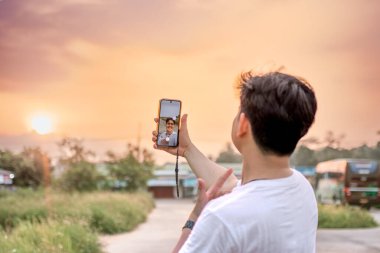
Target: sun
42 124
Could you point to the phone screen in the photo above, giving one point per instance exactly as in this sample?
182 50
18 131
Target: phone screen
168 123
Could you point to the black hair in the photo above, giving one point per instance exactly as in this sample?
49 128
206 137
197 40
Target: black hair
169 119
280 108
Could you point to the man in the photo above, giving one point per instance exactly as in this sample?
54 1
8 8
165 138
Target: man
169 137
273 208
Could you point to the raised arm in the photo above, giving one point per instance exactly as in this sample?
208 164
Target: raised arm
202 167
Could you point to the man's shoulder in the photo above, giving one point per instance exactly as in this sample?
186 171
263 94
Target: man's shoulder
227 205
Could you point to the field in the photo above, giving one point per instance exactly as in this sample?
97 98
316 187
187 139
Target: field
34 222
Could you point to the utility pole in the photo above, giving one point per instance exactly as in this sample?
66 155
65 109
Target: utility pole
139 141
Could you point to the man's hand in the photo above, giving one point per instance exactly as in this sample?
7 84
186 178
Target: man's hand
213 192
184 139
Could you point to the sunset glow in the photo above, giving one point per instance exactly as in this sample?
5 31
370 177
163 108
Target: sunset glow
102 66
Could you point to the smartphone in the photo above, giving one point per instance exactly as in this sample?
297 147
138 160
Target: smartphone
169 115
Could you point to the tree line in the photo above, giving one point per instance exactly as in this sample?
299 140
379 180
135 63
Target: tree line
76 169
328 148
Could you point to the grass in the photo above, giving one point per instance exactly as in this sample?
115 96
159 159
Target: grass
49 236
331 216
29 222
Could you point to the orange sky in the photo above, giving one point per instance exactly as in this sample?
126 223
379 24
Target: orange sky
100 67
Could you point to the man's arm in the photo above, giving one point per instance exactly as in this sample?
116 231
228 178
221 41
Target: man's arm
207 169
199 163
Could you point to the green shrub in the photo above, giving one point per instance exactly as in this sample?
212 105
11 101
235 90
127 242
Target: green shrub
50 236
116 217
344 217
81 176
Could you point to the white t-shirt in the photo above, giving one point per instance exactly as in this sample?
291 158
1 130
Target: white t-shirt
172 138
264 216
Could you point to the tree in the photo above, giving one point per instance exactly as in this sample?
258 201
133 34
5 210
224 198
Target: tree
41 162
130 169
81 176
303 156
79 173
228 155
334 141
73 151
27 166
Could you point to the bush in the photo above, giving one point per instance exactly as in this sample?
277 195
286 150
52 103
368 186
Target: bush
344 217
50 236
81 176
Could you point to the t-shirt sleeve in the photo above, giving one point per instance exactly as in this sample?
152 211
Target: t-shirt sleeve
210 234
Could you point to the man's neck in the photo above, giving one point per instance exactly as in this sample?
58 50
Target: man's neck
258 166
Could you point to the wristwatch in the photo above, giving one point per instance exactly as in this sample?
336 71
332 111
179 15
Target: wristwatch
189 224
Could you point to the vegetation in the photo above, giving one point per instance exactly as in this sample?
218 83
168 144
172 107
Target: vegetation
330 149
50 236
28 166
129 169
331 216
228 155
80 176
68 217
32 222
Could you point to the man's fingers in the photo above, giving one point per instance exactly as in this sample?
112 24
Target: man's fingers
215 188
184 122
221 180
201 185
154 138
154 133
156 120
201 189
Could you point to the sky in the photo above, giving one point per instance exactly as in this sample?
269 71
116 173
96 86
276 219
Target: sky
98 68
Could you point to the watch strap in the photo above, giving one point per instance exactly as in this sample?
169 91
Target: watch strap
189 224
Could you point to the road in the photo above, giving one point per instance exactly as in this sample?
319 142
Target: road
163 227
158 234
350 240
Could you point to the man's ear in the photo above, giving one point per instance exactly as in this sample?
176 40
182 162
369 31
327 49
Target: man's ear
243 125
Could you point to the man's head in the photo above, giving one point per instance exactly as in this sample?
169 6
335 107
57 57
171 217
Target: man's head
279 108
169 125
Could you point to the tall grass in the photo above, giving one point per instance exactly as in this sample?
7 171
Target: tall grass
50 236
32 222
331 216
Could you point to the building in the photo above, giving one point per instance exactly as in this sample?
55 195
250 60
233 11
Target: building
163 185
6 178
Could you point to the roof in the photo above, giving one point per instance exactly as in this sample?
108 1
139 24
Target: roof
184 168
5 172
